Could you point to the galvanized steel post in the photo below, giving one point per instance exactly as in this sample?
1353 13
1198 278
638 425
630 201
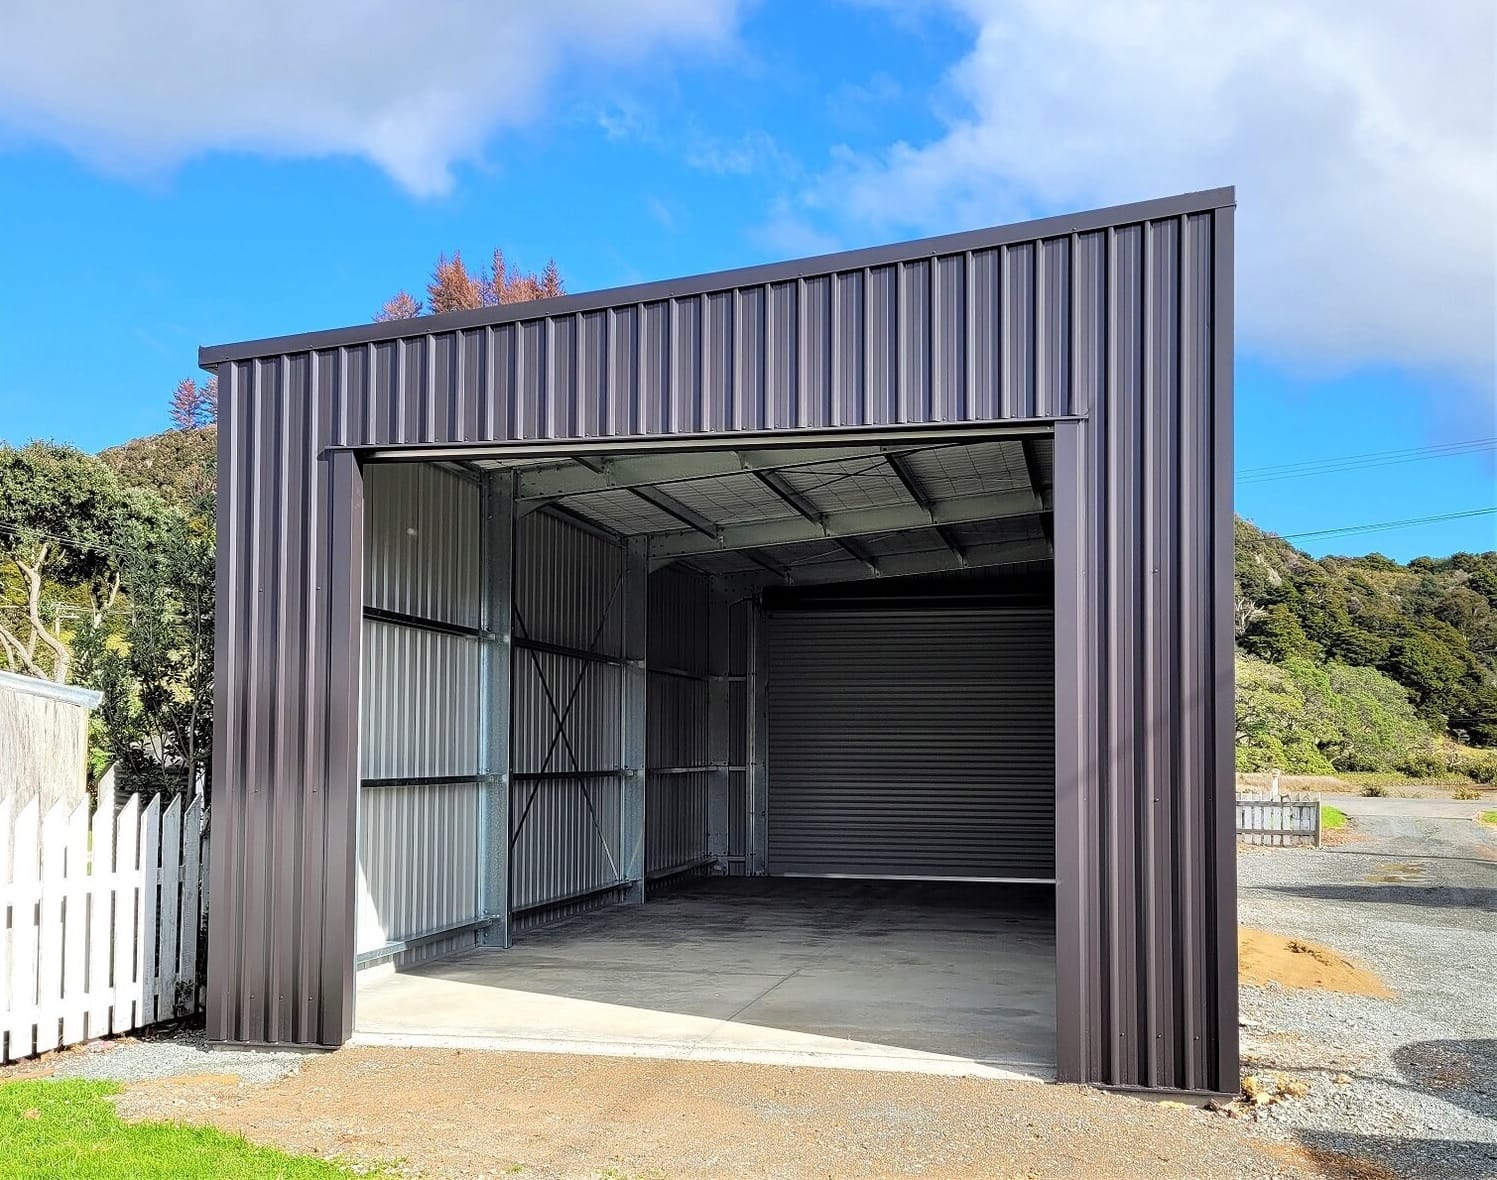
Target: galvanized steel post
632 756
495 663
717 727
758 778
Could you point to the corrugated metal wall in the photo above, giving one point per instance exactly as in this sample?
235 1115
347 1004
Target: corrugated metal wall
677 759
566 740
1146 898
419 737
1121 317
912 743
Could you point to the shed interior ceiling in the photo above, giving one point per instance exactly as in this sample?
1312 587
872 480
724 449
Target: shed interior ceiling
810 514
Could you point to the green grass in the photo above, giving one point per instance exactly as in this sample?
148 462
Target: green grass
1488 817
1395 778
65 1129
1331 818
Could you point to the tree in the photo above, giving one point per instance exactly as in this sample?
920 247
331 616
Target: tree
400 306
1277 635
66 523
453 287
194 406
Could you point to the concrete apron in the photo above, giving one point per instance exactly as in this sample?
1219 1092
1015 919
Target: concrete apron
839 977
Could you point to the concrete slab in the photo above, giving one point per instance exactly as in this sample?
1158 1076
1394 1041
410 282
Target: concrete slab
864 975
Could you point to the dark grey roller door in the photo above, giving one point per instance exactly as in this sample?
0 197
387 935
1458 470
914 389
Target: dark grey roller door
912 743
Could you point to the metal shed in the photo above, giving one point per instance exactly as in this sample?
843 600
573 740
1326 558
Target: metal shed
907 563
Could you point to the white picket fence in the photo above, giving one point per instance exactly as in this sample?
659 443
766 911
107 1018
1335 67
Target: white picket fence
99 919
1266 817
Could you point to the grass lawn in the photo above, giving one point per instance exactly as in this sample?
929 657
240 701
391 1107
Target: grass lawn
1331 817
1488 817
69 1129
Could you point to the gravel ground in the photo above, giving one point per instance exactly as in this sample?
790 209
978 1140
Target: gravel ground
184 1055
1412 894
472 1114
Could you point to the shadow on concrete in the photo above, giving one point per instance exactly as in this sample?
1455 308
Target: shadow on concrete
959 970
1433 895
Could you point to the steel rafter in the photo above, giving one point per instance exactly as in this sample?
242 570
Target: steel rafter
847 523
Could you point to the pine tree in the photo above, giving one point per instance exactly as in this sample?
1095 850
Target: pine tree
452 288
400 307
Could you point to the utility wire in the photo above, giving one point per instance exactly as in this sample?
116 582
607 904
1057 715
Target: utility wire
1255 475
1379 526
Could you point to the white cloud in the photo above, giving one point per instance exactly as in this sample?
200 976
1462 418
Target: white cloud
413 87
756 152
1362 137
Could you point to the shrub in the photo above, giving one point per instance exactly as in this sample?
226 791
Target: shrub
1465 794
1374 791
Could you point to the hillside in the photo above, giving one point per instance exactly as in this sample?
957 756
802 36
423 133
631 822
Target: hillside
1347 641
178 465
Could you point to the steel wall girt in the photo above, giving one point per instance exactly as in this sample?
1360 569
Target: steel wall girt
852 522
497 547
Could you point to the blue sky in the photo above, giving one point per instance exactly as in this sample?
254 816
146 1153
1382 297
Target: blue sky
159 190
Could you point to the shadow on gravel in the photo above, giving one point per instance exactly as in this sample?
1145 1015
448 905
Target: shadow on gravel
1458 1072
1368 1157
1440 896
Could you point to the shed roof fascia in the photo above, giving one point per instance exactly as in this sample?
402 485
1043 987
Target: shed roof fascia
651 292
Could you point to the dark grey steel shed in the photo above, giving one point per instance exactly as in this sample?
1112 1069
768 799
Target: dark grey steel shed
533 678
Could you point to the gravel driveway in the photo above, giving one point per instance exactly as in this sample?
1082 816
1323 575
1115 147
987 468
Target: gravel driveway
1411 894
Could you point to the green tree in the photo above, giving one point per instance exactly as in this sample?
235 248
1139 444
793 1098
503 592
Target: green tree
1278 636
66 524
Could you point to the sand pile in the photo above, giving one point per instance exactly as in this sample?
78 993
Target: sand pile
1298 962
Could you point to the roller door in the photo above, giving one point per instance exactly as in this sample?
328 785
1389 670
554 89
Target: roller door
912 743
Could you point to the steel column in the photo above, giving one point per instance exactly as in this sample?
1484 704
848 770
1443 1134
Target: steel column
717 727
758 726
495 674
632 756
1078 992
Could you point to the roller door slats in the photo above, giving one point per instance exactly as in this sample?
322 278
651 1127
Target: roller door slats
912 743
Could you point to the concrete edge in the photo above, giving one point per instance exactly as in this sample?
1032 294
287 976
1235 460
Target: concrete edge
934 1065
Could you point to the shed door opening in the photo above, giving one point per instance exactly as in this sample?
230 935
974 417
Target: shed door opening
912 743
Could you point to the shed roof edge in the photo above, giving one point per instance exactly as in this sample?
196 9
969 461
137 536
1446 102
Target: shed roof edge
1203 201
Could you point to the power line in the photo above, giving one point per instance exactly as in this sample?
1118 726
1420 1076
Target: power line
17 531
1379 526
1299 470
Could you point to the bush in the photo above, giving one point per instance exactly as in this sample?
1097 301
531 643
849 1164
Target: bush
1375 791
1308 718
1465 794
1480 766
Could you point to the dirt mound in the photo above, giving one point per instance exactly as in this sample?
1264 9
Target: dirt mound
1298 962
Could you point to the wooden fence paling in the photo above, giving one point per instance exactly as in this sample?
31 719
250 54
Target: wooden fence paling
1279 820
98 921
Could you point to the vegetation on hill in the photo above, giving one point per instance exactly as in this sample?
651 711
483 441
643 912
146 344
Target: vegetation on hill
1363 664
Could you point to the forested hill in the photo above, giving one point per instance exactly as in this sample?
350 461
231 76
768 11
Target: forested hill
178 465
1429 626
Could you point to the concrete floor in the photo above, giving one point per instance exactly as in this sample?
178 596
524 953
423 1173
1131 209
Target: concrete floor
934 978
